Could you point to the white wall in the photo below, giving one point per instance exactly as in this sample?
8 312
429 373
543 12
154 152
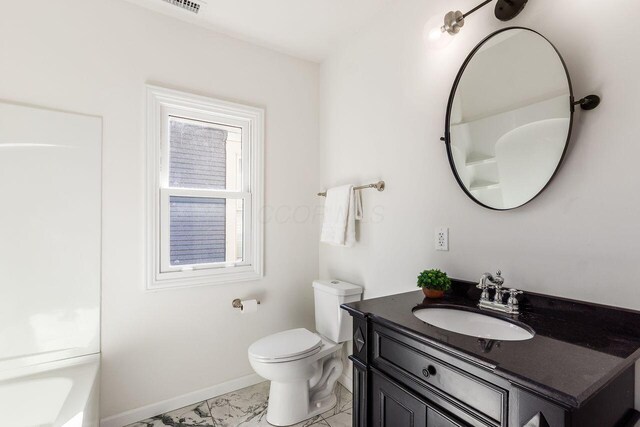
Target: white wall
94 57
383 101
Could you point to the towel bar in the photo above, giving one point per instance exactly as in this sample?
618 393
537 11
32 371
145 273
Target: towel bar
377 185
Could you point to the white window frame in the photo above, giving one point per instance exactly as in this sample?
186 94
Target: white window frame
163 103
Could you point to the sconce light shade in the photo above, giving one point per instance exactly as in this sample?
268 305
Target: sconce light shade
453 22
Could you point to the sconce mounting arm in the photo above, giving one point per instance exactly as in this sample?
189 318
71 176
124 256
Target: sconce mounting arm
505 11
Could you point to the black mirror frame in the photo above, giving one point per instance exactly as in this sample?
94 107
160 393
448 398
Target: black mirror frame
447 135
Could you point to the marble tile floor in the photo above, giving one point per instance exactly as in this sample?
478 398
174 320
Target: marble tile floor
244 408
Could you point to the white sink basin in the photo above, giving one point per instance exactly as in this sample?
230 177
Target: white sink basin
473 324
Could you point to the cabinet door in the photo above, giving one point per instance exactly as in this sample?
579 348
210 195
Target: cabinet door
393 406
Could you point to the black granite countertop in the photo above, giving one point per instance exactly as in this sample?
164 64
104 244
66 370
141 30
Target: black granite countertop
577 349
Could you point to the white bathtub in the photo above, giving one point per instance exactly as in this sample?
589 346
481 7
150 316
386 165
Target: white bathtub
57 394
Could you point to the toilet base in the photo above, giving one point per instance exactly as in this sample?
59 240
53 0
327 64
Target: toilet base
289 404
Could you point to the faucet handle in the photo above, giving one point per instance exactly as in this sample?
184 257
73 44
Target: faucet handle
513 301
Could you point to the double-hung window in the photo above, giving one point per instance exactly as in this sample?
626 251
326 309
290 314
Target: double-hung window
205 190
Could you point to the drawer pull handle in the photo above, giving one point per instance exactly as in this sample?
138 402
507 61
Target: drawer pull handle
429 371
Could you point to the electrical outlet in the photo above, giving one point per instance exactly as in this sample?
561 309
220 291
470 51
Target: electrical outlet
442 239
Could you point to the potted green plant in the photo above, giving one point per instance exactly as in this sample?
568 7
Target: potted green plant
434 283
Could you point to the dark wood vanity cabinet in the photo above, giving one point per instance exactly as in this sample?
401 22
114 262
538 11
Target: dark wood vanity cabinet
401 381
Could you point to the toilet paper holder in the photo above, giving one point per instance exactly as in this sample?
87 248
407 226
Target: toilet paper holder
237 303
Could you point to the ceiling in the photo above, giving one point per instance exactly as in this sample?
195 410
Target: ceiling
309 29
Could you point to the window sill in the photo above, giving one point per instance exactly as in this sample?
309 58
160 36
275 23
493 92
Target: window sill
163 281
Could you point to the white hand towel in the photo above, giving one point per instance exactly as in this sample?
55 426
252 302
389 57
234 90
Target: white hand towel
355 213
357 202
342 207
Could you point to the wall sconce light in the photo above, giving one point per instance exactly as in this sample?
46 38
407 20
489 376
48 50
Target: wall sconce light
454 21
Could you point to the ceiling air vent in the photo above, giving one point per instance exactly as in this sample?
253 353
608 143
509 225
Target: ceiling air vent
189 5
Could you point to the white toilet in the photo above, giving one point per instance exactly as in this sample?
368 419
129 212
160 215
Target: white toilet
303 366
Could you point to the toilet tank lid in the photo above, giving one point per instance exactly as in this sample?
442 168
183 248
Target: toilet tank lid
337 287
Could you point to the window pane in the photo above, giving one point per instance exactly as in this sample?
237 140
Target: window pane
204 155
205 230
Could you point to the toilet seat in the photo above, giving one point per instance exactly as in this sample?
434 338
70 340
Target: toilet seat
286 346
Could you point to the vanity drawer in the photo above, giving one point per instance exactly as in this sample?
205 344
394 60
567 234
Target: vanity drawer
475 396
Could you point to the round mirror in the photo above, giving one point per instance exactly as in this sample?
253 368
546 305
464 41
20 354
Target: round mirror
509 118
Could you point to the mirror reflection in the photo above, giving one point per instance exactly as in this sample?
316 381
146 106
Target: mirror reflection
509 119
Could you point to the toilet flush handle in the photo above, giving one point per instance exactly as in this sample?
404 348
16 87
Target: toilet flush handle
237 303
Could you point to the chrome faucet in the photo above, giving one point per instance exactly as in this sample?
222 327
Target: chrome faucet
497 304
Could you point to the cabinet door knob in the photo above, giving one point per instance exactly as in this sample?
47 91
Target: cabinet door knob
429 371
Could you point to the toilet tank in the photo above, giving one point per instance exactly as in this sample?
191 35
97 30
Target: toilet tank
332 322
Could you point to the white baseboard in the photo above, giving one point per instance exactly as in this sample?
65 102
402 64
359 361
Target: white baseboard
177 402
346 381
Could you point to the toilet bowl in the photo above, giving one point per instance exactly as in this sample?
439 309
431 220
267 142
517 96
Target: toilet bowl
295 368
304 366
